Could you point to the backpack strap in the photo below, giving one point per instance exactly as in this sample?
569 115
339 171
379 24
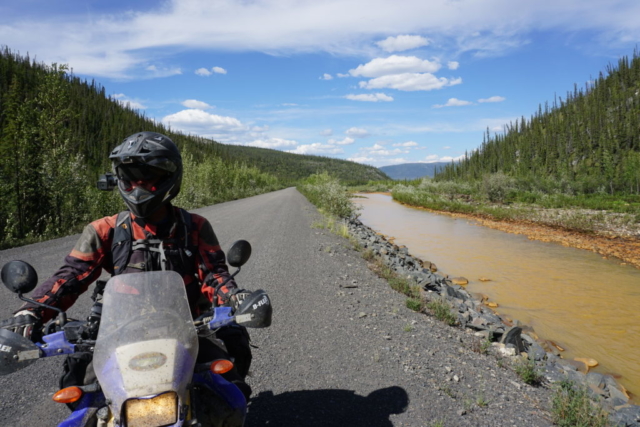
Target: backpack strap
121 245
187 222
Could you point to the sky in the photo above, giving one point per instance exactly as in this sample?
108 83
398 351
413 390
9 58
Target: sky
379 82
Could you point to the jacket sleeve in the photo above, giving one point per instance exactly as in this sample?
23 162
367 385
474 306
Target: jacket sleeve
81 267
212 266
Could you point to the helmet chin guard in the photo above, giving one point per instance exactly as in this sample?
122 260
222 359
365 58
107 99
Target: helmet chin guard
147 153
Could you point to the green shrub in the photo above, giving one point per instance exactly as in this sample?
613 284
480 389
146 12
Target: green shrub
328 194
442 311
571 406
497 187
528 371
414 304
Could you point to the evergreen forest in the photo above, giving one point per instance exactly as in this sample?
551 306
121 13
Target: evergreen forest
56 133
586 143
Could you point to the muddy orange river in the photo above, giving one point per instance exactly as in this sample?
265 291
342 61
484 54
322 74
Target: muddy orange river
587 305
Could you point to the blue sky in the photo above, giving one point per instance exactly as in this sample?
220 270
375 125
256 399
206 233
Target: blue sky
379 82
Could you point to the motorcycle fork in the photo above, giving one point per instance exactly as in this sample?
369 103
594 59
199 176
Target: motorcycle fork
190 408
104 417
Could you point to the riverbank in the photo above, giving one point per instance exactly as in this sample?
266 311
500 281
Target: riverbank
611 242
508 341
614 237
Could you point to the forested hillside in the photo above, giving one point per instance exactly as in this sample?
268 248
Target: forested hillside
296 166
56 132
588 142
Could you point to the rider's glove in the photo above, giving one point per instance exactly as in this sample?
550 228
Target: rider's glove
23 323
237 297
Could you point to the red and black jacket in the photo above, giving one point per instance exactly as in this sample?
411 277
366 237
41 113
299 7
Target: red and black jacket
203 268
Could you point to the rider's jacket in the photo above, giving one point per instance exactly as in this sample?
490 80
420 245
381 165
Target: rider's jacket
202 265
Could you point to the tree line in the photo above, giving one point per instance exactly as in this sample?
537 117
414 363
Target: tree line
56 133
586 143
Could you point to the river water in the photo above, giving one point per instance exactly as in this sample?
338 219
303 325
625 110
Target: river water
575 298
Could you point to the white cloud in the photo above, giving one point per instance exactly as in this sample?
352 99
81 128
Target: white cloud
432 158
357 132
194 103
370 97
156 72
272 143
326 76
363 159
454 102
205 124
346 141
446 147
394 64
401 43
126 101
406 144
493 99
451 159
379 161
379 154
453 65
118 44
326 132
374 147
341 75
317 148
379 150
410 82
203 72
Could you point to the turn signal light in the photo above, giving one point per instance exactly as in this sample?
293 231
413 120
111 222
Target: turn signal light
221 366
68 395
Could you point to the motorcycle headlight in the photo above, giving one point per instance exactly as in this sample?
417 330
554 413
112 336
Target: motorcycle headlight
160 410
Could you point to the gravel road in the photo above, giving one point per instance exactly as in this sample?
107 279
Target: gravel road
342 350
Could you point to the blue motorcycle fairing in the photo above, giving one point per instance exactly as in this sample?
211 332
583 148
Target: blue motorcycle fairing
228 391
87 407
56 344
89 404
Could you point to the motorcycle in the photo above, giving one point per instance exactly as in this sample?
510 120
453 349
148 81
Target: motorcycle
144 344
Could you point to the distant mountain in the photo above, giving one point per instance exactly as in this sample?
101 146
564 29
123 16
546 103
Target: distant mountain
412 170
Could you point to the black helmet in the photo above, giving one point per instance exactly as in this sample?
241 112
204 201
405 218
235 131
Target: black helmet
147 156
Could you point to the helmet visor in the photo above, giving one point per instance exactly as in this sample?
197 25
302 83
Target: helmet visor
136 172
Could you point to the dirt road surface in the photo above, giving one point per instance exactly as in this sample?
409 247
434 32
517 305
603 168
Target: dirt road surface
343 350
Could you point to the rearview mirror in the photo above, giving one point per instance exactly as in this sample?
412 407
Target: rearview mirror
239 253
19 277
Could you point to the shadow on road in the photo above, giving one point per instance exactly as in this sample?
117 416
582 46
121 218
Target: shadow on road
327 408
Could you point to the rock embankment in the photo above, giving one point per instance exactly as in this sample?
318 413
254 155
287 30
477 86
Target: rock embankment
512 341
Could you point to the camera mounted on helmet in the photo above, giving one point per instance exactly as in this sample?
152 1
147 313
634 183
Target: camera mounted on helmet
107 181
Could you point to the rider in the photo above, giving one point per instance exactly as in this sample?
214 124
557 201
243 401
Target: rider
151 235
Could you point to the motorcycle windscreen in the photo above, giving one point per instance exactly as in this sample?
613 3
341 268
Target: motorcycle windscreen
147 343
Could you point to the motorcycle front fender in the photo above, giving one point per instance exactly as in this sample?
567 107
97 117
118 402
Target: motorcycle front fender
85 413
217 397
